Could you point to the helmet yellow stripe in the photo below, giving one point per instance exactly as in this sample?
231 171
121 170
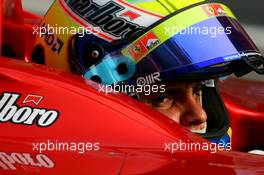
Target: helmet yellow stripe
170 5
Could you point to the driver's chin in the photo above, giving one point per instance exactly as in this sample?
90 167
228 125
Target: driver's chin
201 129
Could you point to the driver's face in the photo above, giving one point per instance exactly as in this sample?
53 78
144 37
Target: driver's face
182 102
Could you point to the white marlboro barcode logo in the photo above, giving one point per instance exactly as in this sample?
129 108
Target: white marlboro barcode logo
11 112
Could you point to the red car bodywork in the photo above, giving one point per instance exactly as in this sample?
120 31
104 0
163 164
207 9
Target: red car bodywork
132 137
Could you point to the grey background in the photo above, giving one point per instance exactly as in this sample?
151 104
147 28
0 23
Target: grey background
250 13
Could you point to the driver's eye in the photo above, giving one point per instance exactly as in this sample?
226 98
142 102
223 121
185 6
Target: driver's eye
163 102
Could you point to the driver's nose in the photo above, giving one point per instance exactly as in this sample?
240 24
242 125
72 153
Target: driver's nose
192 114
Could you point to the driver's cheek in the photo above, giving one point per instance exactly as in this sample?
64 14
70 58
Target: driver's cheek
191 112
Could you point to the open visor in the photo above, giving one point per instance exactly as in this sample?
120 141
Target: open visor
202 42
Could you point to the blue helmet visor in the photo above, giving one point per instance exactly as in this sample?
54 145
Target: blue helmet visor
211 47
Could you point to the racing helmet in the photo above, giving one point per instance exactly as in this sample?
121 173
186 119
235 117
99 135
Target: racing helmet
139 42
